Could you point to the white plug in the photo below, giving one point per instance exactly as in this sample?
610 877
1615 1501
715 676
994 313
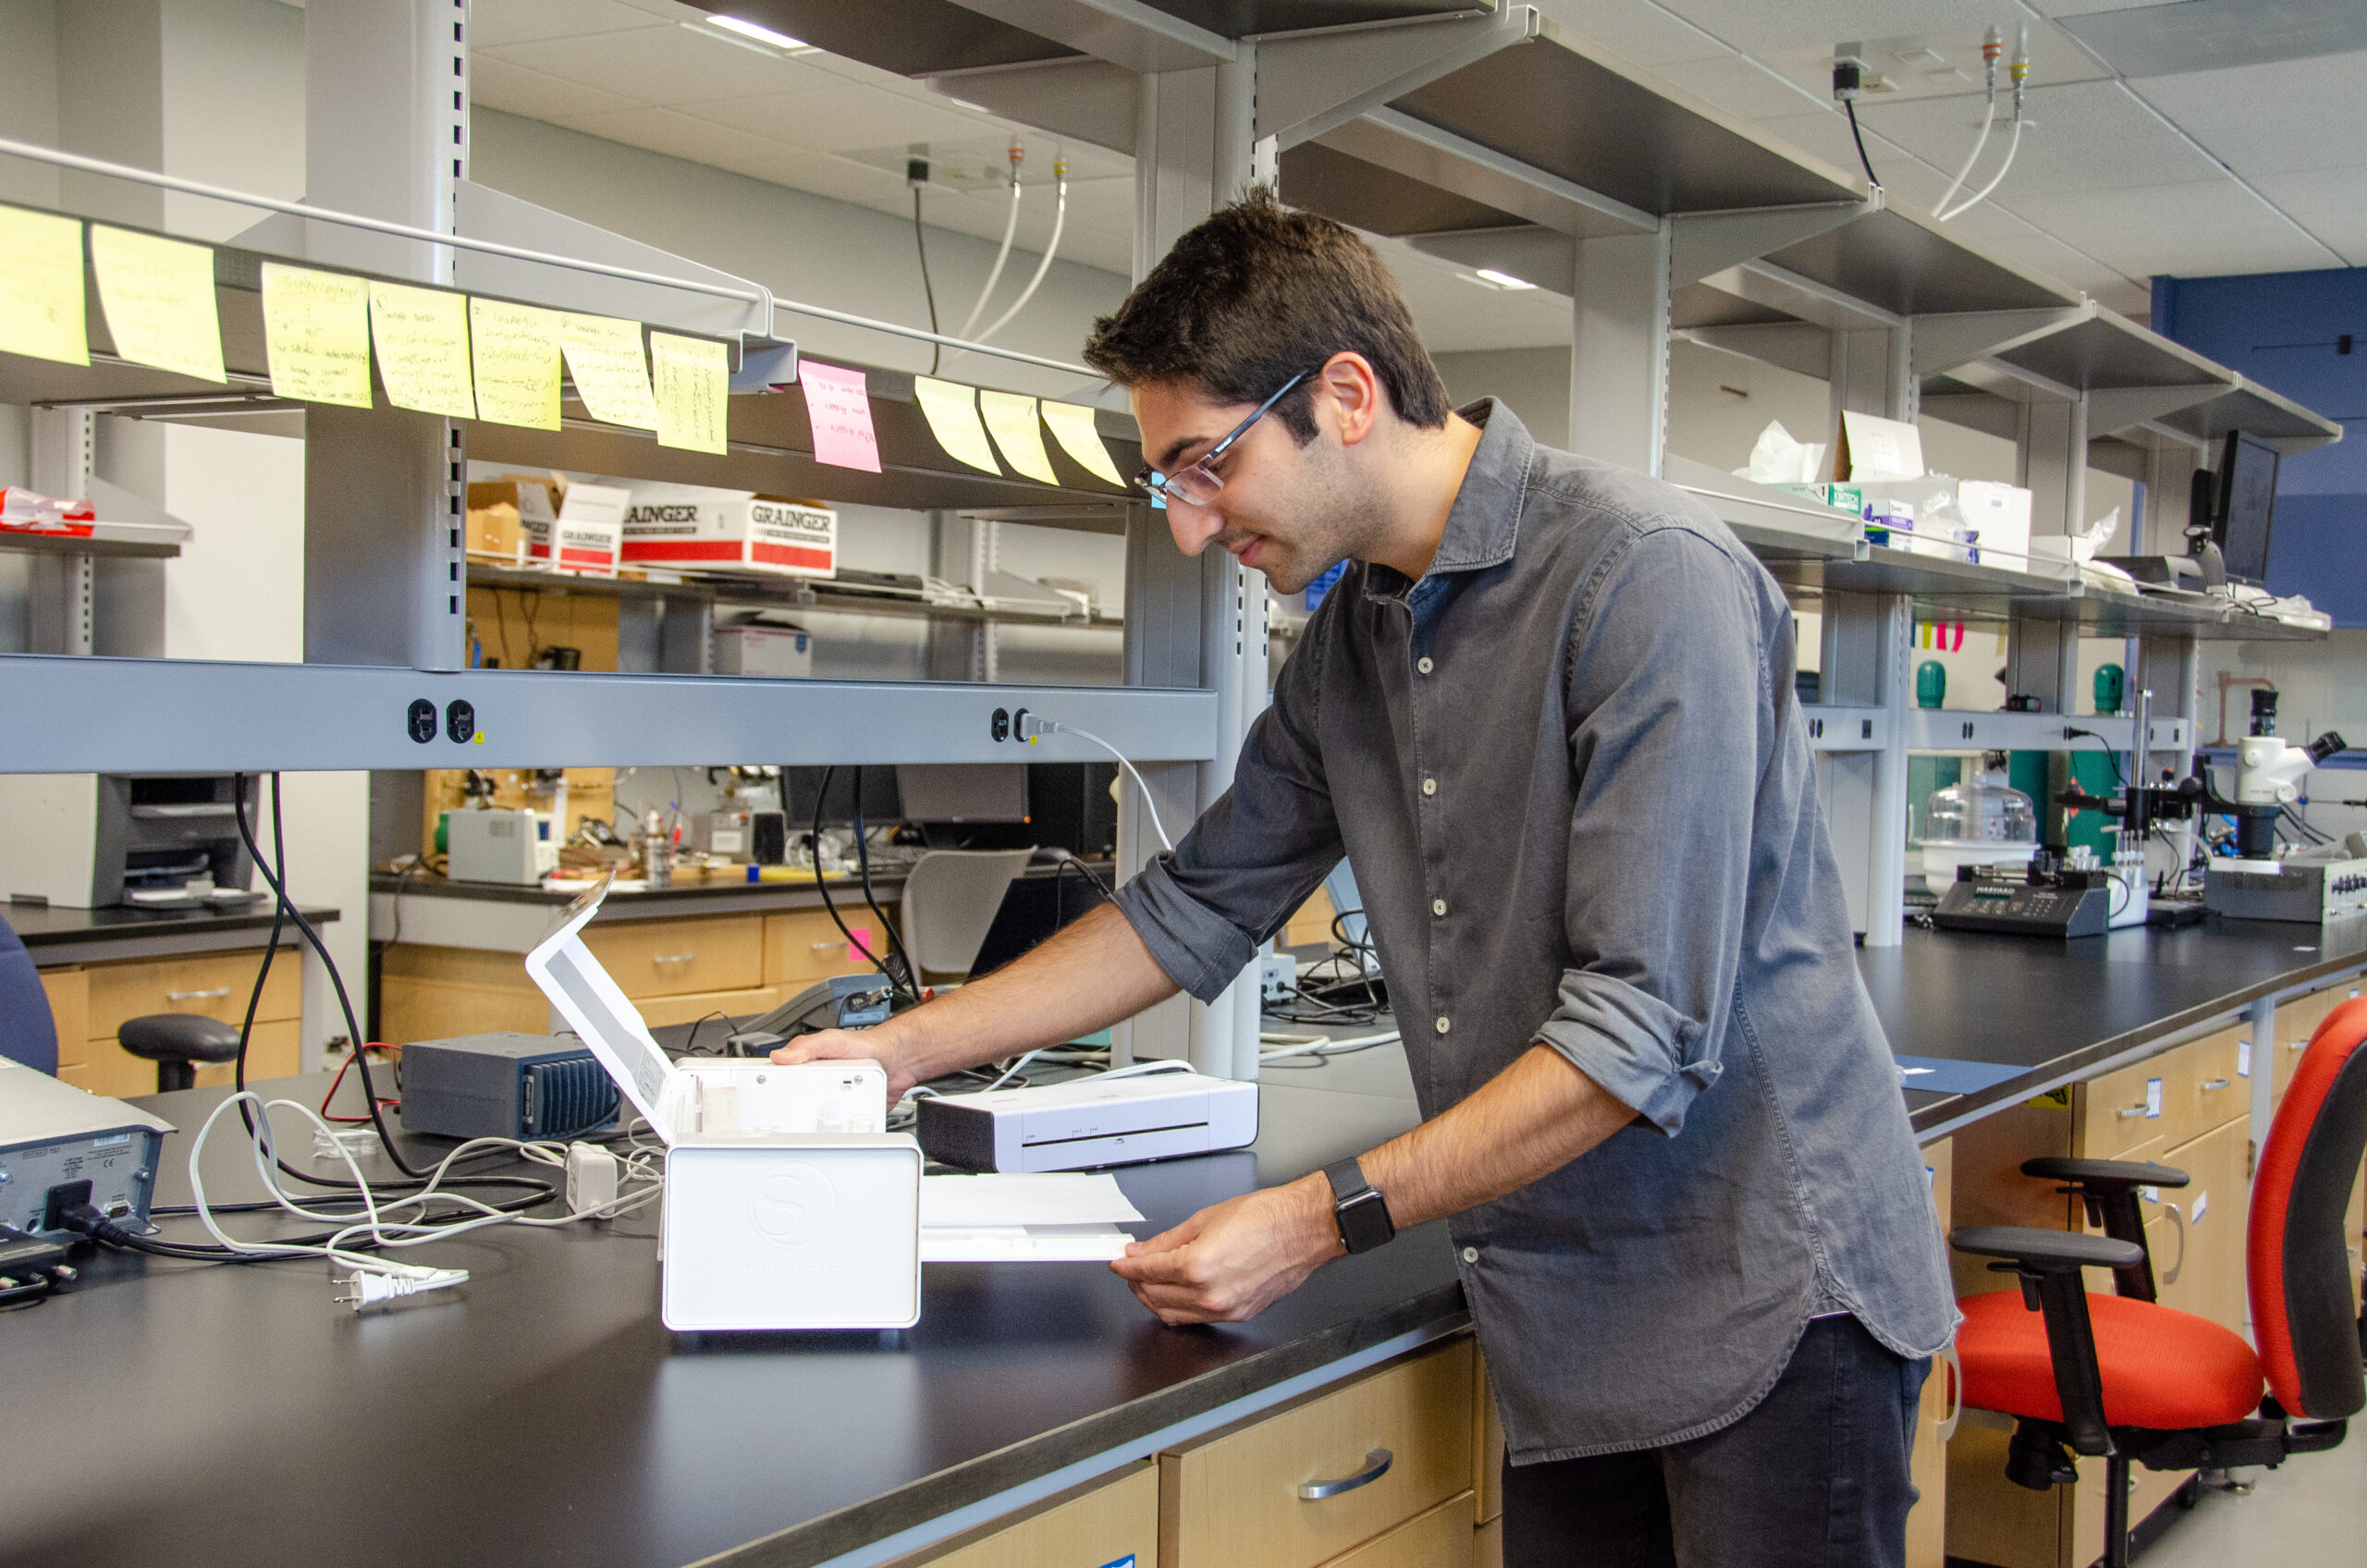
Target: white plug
366 1288
590 1178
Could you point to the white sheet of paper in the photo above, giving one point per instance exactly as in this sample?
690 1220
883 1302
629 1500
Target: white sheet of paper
1061 1198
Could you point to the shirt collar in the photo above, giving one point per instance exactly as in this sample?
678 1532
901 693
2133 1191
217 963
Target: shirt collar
1485 522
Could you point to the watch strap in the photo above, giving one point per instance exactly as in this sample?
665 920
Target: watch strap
1358 1208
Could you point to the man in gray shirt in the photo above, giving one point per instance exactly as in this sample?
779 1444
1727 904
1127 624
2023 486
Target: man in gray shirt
1548 714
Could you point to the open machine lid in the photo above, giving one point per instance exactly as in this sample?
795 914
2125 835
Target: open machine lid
597 1008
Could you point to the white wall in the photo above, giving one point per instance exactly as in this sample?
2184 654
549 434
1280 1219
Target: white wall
1533 382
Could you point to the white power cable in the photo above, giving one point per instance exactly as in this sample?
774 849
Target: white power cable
1059 221
2013 145
1149 804
2020 71
1990 48
1009 228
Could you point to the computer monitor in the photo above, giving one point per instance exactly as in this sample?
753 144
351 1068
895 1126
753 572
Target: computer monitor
802 786
2246 503
963 792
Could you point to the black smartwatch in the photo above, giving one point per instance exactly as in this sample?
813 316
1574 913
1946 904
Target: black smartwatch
1358 1208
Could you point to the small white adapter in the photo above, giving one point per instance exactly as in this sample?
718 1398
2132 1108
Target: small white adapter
590 1178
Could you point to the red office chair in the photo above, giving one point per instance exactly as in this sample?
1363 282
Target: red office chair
2123 1377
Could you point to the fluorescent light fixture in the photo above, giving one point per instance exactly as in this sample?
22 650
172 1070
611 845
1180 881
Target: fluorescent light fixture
1504 280
761 34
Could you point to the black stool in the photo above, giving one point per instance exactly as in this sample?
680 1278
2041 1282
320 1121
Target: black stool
177 1042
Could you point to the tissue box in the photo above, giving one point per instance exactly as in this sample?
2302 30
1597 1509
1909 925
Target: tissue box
2000 514
1848 497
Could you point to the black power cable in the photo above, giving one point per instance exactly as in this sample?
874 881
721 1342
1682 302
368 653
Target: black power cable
1849 106
910 977
920 240
822 886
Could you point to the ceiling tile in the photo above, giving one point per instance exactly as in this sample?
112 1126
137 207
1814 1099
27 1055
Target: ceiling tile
664 65
2202 227
2273 119
1767 28
496 22
2084 137
1636 30
2330 203
2165 40
840 116
501 85
700 141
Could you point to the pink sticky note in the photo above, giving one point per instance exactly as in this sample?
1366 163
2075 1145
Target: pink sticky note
840 410
859 951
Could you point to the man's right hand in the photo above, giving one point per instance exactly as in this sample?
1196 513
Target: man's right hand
852 1045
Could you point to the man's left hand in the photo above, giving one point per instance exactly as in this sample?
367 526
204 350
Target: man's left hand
1228 1263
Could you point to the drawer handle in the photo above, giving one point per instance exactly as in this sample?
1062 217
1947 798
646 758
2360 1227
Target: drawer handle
2130 1112
672 958
193 995
1377 1465
825 946
2216 1083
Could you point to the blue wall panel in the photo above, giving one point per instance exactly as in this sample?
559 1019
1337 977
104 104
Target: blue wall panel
2287 330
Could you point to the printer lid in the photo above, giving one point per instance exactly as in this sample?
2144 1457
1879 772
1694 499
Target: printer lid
597 1008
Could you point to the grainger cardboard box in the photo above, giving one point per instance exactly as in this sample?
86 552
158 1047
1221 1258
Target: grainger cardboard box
686 528
587 534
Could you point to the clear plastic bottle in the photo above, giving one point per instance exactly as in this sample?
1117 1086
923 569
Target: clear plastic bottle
1983 809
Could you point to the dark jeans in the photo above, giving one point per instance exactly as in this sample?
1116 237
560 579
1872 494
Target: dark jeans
1816 1474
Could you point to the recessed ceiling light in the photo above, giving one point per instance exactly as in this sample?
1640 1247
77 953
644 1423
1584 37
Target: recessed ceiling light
761 34
1504 280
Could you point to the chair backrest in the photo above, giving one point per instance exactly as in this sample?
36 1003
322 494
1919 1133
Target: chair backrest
28 1033
949 899
2298 1265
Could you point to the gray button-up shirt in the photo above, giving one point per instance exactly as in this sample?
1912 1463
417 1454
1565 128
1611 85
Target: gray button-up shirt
1580 806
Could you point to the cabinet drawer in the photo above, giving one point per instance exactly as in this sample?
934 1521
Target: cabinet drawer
1109 1522
1487 1547
215 985
69 1010
804 946
1232 1501
1441 1538
2296 1022
659 1011
104 1067
672 958
2210 1280
2198 1090
1488 1452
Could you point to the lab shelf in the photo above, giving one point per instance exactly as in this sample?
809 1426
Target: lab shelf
173 715
793 593
2253 409
1902 264
1776 525
1942 589
131 540
2107 612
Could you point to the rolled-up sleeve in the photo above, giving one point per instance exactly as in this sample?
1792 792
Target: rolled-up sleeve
1254 856
1665 667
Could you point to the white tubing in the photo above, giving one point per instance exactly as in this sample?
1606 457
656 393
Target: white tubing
1940 207
994 275
1059 218
2012 147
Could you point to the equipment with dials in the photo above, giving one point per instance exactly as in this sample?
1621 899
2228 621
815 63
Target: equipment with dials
505 1086
490 844
2314 885
61 1143
2046 900
95 840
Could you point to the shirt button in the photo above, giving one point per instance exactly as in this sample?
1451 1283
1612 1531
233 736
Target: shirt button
1471 1255
1445 1024
1430 786
1438 906
1423 665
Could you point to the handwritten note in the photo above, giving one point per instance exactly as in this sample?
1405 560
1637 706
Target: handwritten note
1011 420
692 378
158 295
839 408
516 353
604 356
423 340
40 286
1073 427
316 335
953 413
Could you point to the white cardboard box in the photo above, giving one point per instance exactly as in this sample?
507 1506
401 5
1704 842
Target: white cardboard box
776 652
686 528
586 535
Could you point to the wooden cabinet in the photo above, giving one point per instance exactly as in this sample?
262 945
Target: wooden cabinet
2168 1098
1310 926
2296 1022
1489 1546
1113 1520
1927 1542
674 958
1231 1499
804 946
89 1002
1439 1539
1488 1447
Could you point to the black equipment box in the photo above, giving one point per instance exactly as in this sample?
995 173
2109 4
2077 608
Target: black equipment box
507 1086
2045 903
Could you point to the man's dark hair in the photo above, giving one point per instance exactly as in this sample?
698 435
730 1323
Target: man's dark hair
1259 293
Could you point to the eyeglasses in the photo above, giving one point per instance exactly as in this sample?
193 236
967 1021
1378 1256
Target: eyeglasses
1196 486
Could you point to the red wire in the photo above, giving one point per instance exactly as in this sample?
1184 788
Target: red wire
372 1045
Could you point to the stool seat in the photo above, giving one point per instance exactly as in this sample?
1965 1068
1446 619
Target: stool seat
179 1036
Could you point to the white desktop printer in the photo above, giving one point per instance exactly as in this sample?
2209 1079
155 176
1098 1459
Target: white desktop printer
788 1204
1102 1120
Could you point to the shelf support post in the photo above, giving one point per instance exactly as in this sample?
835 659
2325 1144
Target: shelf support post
61 612
1619 347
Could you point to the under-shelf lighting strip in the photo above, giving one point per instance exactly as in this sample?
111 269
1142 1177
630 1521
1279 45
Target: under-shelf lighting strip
756 294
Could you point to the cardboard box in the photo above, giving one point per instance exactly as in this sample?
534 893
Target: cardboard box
586 536
498 511
687 527
776 652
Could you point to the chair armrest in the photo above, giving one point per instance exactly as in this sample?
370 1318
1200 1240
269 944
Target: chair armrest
2047 1252
2102 1176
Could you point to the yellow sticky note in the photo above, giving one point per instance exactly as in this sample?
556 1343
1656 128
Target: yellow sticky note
516 351
422 338
316 335
604 356
158 295
40 286
953 413
692 377
1073 427
1011 418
